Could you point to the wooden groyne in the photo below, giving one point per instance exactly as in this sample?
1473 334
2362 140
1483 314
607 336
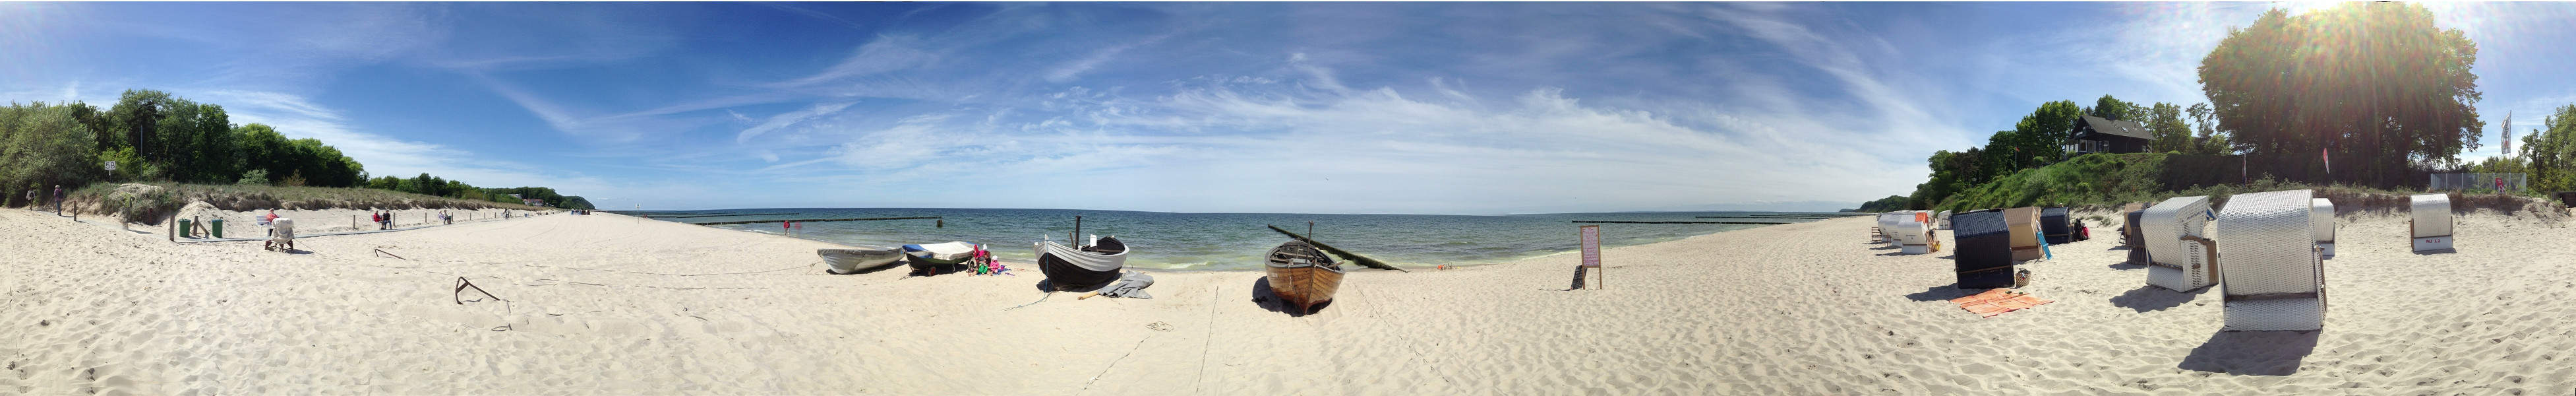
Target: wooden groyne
1346 255
1683 222
717 215
812 220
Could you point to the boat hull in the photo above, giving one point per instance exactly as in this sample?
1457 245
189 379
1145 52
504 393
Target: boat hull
1302 276
1068 268
847 261
926 260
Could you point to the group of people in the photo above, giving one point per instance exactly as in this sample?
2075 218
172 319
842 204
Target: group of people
58 199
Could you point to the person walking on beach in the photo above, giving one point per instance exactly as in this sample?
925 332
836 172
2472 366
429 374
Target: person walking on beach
58 200
266 220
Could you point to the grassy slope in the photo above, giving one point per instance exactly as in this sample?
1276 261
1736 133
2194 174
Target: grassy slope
99 198
2108 180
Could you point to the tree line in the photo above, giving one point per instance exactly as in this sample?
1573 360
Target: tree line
2375 90
154 136
2039 138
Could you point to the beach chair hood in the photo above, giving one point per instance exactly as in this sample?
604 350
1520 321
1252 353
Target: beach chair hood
2273 278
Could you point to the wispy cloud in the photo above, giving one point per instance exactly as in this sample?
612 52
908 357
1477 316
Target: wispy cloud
885 54
1067 71
783 120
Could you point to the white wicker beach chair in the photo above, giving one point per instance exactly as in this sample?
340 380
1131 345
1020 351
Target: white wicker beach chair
1890 226
283 237
2274 279
2431 221
2178 256
2321 217
1941 221
1912 235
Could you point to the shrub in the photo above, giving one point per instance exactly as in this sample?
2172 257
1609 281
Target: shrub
255 177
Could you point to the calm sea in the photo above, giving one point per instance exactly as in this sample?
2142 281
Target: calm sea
1231 241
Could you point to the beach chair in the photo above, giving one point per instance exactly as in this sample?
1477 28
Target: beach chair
2430 221
2274 281
1941 221
1888 223
1983 257
1913 235
2179 256
2321 218
2131 235
2053 224
2024 223
2129 225
281 235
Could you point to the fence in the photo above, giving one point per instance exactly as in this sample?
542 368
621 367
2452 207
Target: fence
2466 181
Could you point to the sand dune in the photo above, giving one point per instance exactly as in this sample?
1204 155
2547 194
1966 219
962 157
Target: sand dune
609 304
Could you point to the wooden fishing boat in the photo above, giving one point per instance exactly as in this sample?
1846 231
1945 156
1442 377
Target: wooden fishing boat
1302 276
937 257
1082 268
850 261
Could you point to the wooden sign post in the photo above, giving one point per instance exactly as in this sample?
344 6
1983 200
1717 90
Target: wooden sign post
1591 235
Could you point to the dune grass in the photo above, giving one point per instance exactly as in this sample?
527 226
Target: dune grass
105 198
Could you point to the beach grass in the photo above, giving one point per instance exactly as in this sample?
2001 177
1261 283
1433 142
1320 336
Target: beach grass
165 197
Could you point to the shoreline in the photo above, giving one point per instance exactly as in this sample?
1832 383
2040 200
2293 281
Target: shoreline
1423 266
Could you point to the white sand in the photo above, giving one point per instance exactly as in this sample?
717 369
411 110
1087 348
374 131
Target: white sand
608 304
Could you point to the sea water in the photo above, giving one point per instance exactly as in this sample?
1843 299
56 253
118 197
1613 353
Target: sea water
1230 241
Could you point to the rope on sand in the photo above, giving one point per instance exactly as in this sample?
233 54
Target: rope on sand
1140 344
1040 300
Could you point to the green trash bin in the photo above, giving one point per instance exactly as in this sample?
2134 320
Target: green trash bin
184 227
218 225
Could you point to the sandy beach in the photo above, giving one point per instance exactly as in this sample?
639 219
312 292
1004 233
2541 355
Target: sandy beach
608 304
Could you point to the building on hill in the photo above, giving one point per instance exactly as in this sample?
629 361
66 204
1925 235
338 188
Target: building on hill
2101 135
533 202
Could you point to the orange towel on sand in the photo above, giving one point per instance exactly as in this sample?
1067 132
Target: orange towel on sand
1997 302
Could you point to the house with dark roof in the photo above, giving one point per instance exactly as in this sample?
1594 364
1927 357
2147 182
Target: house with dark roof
2102 135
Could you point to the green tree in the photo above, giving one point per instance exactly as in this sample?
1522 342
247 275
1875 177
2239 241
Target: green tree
2165 124
46 145
2114 108
2377 84
2039 138
199 142
136 118
2550 154
2206 139
263 149
129 166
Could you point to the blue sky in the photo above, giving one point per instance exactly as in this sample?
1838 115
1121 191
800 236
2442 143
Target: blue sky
1447 108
